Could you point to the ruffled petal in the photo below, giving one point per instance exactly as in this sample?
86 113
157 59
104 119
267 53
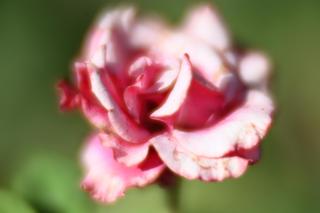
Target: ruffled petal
106 179
223 150
204 23
191 166
241 129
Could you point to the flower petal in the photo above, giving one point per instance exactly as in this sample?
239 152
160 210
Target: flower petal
107 44
120 122
206 61
147 32
124 152
68 96
96 114
178 93
204 23
209 103
106 179
139 66
254 69
241 129
191 166
104 32
152 79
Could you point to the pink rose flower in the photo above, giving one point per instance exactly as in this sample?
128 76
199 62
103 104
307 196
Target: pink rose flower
159 97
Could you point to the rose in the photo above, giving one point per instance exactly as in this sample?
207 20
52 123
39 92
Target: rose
183 98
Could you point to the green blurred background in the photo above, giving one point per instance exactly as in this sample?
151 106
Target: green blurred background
39 146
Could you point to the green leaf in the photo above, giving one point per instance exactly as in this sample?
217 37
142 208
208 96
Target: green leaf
11 203
51 184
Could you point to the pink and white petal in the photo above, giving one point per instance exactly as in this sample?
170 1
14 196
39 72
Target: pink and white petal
119 121
163 81
206 60
205 23
147 32
95 114
139 66
223 168
178 93
254 69
124 152
241 129
106 179
101 33
191 166
108 46
123 16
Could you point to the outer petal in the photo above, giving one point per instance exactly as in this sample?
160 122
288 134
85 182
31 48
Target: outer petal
254 69
108 25
112 31
147 32
106 179
223 150
204 23
191 166
124 152
71 99
205 60
95 114
241 129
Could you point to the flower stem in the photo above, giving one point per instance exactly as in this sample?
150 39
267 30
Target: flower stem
172 197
